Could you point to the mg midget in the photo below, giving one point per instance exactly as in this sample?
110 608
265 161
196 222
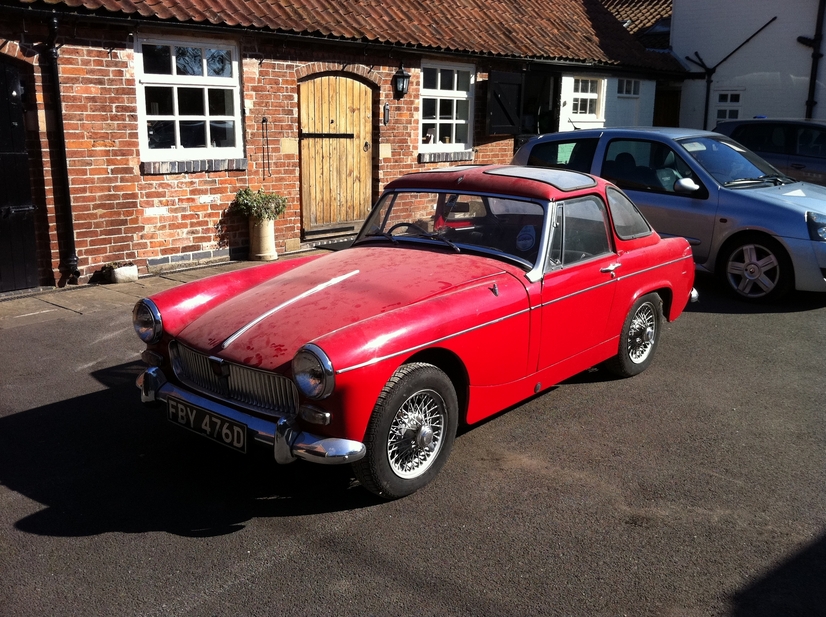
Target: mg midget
467 290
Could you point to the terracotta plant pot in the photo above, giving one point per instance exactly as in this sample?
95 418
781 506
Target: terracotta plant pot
262 240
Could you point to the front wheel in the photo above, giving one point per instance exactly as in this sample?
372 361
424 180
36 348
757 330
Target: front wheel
411 431
757 268
639 337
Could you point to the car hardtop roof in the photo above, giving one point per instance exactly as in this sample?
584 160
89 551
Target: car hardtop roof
523 181
627 131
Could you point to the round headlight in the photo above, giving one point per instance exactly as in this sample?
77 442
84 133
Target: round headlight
313 372
147 321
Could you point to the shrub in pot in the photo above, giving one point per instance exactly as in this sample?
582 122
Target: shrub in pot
261 208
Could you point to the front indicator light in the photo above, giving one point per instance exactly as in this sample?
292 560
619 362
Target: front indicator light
146 318
313 372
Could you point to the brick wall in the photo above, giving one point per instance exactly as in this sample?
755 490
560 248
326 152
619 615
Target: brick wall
122 211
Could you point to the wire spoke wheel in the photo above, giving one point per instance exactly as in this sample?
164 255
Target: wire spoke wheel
411 431
639 337
416 434
642 333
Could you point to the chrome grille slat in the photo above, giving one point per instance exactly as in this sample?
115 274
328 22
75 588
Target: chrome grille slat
262 391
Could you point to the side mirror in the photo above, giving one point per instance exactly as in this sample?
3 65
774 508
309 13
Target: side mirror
686 185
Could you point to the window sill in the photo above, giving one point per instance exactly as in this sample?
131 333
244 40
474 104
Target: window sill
445 157
156 168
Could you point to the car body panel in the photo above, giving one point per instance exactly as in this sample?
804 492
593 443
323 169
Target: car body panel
720 213
500 328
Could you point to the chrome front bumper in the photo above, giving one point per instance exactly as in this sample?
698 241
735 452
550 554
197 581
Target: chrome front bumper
694 296
287 441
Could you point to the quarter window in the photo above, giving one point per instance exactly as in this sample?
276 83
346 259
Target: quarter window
447 101
188 100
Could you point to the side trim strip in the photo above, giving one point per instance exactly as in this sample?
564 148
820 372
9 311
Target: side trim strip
334 281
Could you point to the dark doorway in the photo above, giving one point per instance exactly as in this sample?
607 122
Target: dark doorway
18 254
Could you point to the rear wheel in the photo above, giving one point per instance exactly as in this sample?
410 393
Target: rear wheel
757 268
411 431
639 337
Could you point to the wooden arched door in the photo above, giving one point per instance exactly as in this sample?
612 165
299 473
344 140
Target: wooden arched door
336 136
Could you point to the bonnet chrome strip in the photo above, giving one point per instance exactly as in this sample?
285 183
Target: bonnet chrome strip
334 281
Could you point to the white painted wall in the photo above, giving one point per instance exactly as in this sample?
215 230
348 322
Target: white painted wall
770 73
614 110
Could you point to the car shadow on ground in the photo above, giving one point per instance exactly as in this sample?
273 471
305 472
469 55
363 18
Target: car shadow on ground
714 298
795 587
104 462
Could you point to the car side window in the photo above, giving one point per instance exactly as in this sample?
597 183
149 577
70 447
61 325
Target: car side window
642 165
577 154
580 232
810 141
761 137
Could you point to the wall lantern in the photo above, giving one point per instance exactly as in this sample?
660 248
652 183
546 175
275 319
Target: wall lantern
401 82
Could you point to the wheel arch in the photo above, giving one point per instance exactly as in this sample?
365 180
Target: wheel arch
741 236
448 362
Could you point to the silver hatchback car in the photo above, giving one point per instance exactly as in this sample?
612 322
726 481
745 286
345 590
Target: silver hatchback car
762 232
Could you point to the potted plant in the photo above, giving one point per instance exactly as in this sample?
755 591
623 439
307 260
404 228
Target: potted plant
261 208
120 272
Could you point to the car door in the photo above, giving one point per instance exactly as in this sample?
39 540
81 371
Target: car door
578 285
648 171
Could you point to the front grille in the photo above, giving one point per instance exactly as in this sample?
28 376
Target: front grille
262 391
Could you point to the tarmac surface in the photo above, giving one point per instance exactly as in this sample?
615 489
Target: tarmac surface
696 488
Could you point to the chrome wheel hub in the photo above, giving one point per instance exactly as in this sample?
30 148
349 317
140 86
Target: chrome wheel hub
416 434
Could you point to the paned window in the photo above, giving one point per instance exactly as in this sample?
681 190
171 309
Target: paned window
586 96
628 87
447 102
188 100
728 105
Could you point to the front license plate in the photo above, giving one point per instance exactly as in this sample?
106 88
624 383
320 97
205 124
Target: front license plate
228 432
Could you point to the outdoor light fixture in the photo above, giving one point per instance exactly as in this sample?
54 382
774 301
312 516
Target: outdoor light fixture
401 82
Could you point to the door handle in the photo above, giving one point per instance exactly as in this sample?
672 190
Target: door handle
610 269
798 165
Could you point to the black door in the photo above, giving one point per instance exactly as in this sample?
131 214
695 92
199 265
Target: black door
18 256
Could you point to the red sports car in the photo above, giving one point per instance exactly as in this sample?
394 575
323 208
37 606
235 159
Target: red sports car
467 290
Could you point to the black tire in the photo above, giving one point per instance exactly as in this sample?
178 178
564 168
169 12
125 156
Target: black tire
411 432
756 268
639 338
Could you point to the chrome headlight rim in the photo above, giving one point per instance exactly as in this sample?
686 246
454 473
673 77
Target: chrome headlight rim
151 331
325 372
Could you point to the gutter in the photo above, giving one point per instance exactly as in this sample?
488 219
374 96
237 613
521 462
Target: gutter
815 44
63 207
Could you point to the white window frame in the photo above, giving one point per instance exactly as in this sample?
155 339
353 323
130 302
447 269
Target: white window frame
628 88
578 97
723 102
145 80
458 97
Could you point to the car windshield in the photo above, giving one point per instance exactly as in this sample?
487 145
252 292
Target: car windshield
504 227
730 163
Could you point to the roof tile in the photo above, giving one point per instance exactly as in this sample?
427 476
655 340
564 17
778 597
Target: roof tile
573 30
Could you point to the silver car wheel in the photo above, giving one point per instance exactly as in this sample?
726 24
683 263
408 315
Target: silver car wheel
416 434
642 333
753 270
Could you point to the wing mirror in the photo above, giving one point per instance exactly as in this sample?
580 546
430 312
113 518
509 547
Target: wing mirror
686 185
